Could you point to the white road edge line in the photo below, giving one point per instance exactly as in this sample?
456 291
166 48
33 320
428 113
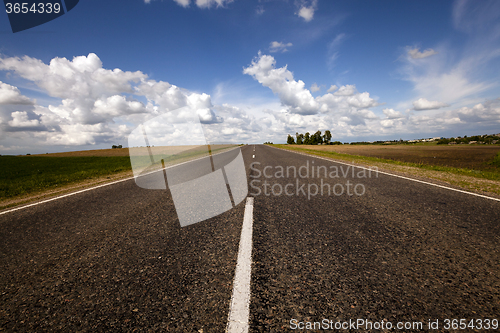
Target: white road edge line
107 184
239 310
391 174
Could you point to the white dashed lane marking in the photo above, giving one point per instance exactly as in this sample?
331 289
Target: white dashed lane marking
240 300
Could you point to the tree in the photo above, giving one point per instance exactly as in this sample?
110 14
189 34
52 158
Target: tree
316 138
307 139
290 140
327 137
300 138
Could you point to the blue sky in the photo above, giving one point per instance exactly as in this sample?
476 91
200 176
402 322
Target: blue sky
257 70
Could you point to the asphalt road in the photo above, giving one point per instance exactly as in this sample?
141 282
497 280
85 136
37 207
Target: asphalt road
116 259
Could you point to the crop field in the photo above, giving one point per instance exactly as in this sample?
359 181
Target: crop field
474 157
471 167
26 174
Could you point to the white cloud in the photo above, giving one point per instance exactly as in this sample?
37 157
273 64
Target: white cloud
315 87
439 78
423 104
307 9
332 88
472 16
392 114
97 105
347 90
116 106
460 75
279 47
183 3
210 3
292 93
333 52
20 120
84 76
11 95
306 13
416 54
200 3
387 123
346 103
488 112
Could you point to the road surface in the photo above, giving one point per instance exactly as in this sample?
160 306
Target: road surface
116 259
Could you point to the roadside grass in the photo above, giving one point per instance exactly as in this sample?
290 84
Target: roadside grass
23 175
477 180
496 161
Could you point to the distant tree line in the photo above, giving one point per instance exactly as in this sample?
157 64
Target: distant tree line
318 138
116 147
314 139
480 139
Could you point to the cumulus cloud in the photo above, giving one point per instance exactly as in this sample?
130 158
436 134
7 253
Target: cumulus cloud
306 9
11 95
20 119
479 113
279 47
392 114
387 123
97 105
84 76
347 90
332 88
238 126
210 3
416 54
346 102
117 105
292 93
423 104
315 87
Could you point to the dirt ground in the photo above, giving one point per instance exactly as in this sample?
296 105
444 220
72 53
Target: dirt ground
459 156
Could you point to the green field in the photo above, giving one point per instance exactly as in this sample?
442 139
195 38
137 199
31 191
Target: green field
27 174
